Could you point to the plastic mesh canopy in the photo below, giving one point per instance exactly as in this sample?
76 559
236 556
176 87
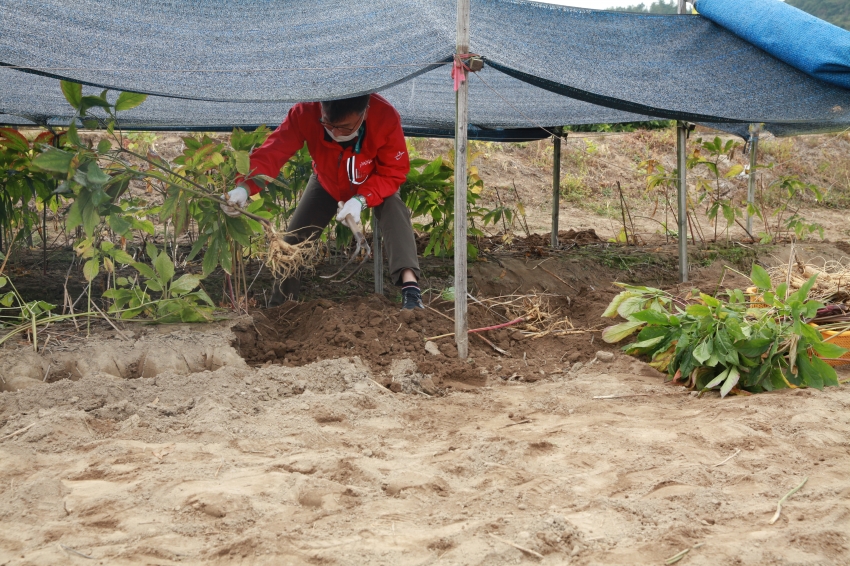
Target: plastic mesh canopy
49 107
622 67
781 130
426 104
496 100
805 42
15 121
682 67
248 50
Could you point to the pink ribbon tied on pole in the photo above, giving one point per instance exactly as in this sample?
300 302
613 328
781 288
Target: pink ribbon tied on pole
458 75
458 68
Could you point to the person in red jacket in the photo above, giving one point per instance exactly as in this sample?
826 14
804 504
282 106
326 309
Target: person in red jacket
359 159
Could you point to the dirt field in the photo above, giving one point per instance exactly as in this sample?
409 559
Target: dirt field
331 432
324 432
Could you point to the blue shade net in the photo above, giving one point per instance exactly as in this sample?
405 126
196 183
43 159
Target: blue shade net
683 67
219 64
501 109
816 47
228 50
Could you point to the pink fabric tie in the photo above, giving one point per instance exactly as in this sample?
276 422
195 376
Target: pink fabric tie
457 73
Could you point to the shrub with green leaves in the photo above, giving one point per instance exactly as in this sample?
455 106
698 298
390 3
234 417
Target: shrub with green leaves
15 311
429 192
179 299
20 182
706 342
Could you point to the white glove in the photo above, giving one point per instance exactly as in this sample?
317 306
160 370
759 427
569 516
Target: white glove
354 207
238 197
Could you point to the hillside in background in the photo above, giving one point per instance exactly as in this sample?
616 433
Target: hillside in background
594 165
657 7
834 11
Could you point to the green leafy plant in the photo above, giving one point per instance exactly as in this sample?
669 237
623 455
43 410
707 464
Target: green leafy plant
96 178
429 193
16 311
501 213
21 183
710 189
19 316
624 127
706 343
787 191
179 300
77 169
777 206
659 179
282 196
140 142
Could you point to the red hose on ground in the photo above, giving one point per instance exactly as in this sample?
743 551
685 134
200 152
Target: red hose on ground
498 326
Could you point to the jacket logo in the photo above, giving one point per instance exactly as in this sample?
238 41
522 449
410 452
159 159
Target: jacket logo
353 170
399 155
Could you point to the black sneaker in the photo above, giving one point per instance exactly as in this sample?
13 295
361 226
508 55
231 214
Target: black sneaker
411 297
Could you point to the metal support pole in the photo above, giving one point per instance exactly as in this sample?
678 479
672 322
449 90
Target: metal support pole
682 164
751 188
556 187
377 255
461 118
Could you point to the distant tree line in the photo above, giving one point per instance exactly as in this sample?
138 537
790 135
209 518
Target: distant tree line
836 12
657 7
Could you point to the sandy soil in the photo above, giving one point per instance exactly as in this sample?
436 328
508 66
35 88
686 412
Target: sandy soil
325 433
320 465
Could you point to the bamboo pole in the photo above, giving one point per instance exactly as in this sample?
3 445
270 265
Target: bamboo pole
556 187
461 118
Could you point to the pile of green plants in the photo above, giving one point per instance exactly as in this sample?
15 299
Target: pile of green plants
735 342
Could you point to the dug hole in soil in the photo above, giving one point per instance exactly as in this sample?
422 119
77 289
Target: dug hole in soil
324 432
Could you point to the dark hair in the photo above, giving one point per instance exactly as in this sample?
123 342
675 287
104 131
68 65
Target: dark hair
337 110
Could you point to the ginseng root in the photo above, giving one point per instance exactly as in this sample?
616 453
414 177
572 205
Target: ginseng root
285 259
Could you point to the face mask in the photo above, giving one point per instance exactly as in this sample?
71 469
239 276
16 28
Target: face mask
349 137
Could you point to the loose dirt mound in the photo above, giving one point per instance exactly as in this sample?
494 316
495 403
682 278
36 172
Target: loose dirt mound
371 328
378 332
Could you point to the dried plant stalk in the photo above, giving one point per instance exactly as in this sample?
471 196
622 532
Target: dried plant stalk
540 318
833 279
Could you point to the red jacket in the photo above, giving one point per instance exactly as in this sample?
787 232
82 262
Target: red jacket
378 170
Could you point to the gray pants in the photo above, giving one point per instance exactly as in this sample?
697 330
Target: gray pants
316 209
